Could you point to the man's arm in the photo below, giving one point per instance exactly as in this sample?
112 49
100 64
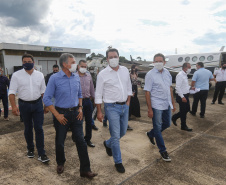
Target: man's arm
193 85
148 100
12 100
100 116
98 97
172 98
80 115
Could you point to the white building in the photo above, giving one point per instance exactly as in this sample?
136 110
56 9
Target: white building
44 56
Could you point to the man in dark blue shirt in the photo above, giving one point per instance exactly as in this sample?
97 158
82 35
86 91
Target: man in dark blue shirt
65 87
4 84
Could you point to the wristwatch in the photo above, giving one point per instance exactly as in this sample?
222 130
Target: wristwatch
80 106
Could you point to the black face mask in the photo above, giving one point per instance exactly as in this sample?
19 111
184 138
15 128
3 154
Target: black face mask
224 67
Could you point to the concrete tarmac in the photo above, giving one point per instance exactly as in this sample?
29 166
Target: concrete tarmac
198 157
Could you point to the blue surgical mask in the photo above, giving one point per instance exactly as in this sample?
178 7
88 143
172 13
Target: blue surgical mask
28 66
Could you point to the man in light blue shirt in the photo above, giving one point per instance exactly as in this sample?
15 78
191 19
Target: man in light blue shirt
160 101
65 87
200 80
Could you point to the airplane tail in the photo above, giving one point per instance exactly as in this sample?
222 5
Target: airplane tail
222 48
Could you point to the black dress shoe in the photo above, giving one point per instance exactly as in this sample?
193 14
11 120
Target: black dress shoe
108 150
212 103
120 168
129 128
186 129
202 116
94 127
60 169
151 139
90 144
193 114
88 175
221 103
174 121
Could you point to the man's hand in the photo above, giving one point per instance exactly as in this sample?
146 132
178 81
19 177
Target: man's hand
15 111
80 115
100 116
46 110
174 108
61 119
184 100
192 88
150 113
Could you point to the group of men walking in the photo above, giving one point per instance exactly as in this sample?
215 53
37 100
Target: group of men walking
72 93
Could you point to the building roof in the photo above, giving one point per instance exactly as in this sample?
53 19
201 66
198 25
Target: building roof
11 46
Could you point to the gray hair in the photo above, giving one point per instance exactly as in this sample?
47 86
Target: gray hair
64 58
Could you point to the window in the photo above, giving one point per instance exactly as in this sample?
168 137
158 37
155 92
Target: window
202 58
187 59
210 58
180 59
194 59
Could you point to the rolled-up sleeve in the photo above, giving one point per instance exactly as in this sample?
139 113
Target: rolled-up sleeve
179 80
49 92
99 89
13 85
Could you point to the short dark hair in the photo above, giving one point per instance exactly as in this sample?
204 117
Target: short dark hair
185 65
159 55
111 50
80 61
28 56
55 66
200 64
223 63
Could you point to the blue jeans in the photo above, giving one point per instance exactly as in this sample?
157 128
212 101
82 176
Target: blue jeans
87 113
118 122
161 121
4 98
33 115
77 137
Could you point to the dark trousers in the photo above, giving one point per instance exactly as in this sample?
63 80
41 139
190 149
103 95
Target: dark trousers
33 116
202 96
77 137
219 87
87 113
4 98
184 109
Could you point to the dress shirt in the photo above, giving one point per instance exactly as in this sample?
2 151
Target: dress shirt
182 86
158 84
113 86
29 87
201 78
4 83
66 91
87 86
220 75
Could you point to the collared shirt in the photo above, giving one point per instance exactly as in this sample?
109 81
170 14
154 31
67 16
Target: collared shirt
113 86
4 83
201 78
66 91
87 86
29 87
182 86
220 75
159 84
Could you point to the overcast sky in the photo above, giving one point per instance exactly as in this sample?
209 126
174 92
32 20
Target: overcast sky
135 27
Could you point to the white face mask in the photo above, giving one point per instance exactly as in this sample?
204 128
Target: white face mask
158 65
114 62
188 71
73 68
82 70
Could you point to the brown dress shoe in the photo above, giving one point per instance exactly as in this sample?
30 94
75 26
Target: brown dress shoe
60 169
88 175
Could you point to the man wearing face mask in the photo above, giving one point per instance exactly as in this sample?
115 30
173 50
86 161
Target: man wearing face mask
30 85
65 87
87 93
55 70
160 101
220 76
4 84
200 80
182 96
114 86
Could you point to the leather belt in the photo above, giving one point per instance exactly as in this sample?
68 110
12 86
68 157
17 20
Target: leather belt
67 109
120 103
31 102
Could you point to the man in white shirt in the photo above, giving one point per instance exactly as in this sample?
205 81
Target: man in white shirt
113 84
30 85
182 96
220 79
